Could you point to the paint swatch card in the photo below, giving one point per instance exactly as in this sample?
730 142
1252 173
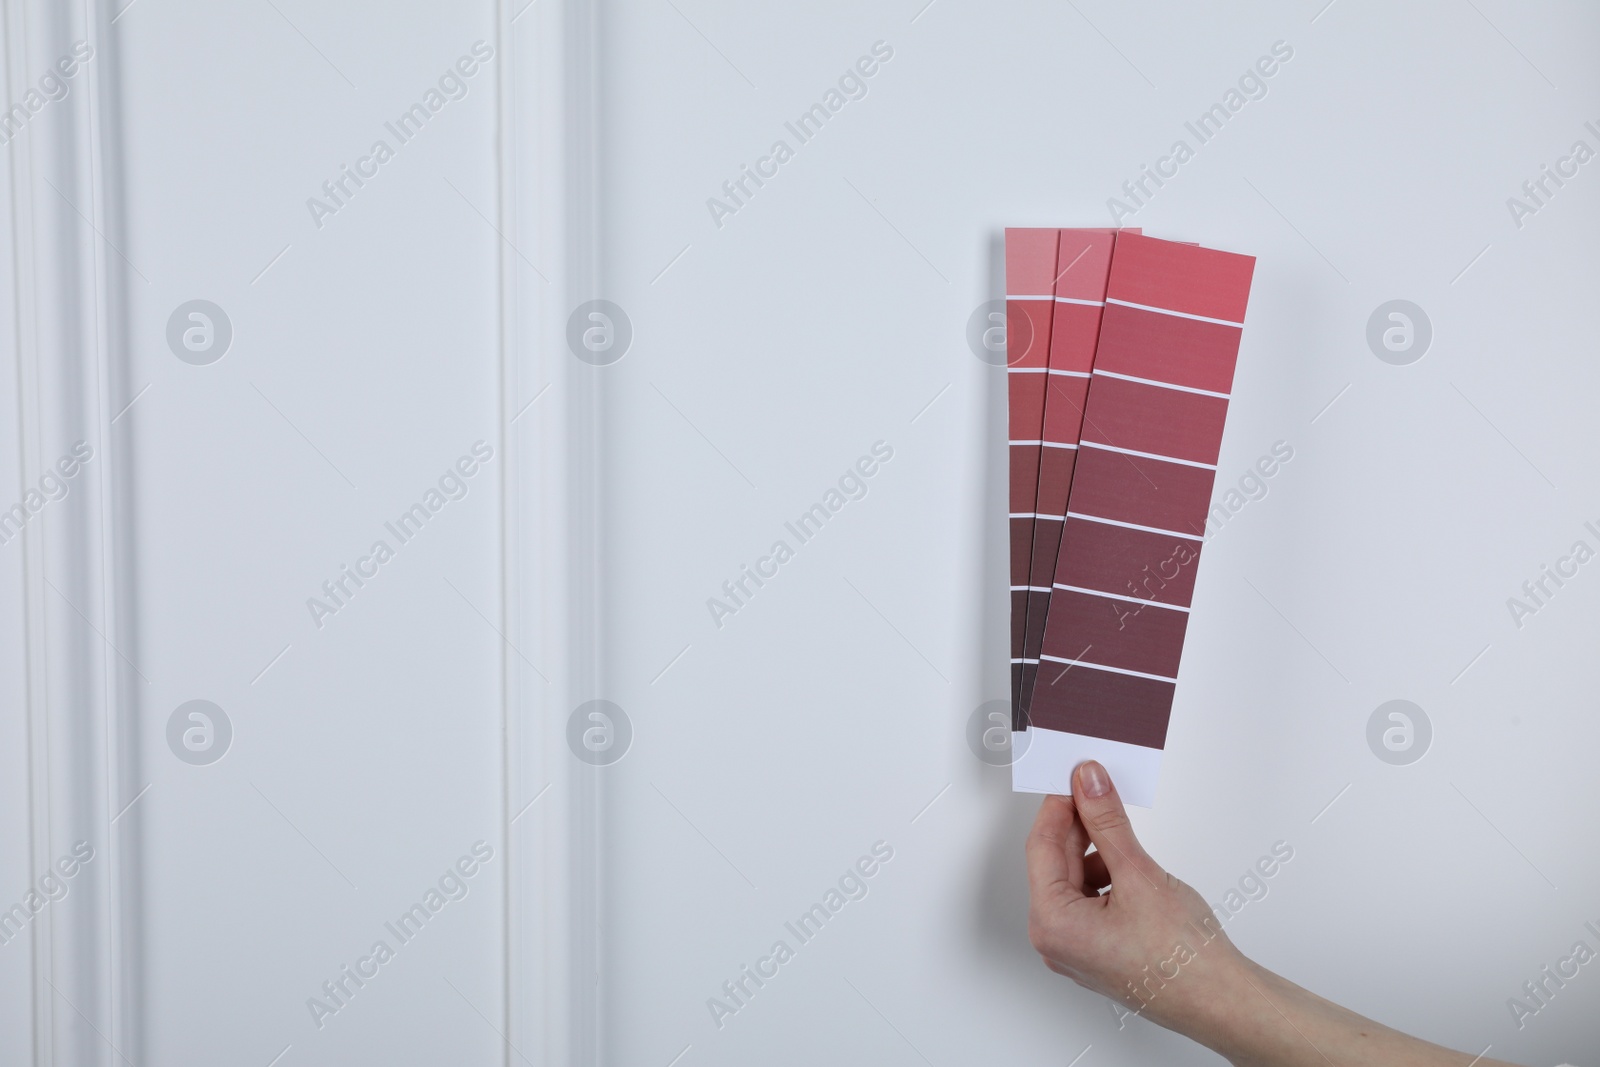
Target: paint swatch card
1083 263
1132 528
1030 313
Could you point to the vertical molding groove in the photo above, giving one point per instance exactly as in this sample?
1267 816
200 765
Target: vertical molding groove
82 690
549 209
84 694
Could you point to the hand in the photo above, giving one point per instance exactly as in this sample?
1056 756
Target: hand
1150 942
1153 944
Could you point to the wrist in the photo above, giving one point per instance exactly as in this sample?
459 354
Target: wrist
1247 1015
1206 990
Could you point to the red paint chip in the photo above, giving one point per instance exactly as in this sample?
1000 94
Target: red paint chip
1117 524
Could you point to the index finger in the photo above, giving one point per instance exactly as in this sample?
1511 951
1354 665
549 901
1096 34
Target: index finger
1055 849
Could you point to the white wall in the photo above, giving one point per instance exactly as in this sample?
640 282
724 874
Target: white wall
366 753
828 312
768 354
15 868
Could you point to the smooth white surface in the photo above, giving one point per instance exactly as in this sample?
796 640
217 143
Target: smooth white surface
15 868
366 761
830 710
366 756
1050 757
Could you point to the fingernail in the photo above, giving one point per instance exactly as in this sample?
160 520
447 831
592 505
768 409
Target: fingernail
1094 779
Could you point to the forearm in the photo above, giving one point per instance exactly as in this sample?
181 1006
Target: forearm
1271 1022
1115 922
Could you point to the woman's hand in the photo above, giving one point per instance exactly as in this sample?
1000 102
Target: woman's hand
1151 942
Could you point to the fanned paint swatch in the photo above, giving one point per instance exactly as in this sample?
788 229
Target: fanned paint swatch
1083 263
1030 313
1122 580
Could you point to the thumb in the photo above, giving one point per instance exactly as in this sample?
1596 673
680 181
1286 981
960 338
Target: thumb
1106 820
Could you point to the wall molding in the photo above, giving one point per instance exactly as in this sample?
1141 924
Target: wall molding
85 697
549 212
83 689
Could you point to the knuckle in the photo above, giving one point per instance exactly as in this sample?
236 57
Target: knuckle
1039 935
1047 835
1108 820
1035 931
